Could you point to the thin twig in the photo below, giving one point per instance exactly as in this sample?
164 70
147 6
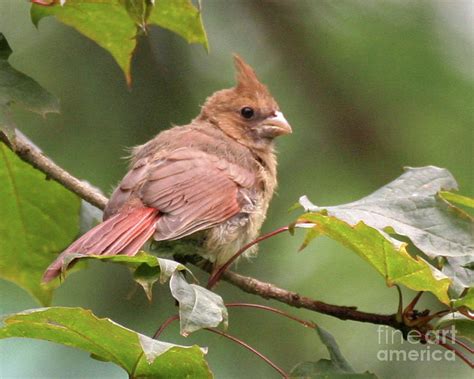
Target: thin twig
248 347
460 343
173 318
217 275
165 324
308 324
458 353
162 327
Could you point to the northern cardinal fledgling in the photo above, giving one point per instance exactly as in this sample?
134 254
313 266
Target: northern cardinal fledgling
212 179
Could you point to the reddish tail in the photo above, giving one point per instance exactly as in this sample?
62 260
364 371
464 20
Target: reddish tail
123 233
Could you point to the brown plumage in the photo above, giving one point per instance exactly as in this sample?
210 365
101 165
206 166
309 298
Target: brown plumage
213 178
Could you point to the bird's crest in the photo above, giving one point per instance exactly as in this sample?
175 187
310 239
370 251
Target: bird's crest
247 80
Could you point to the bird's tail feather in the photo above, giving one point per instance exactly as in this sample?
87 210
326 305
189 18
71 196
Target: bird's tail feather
124 233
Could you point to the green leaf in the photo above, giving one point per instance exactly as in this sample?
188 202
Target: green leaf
335 354
311 234
139 11
336 367
147 275
466 301
147 269
137 354
410 206
309 369
106 22
181 17
39 219
112 24
457 268
17 88
198 307
324 369
392 261
165 267
457 325
457 199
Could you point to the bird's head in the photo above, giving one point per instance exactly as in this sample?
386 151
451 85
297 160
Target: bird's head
247 112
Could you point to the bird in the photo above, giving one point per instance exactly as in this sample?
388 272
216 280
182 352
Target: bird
210 180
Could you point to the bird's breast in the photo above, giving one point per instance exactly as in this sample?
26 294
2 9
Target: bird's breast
225 239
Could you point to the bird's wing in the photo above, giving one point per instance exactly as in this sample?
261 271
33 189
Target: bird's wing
192 189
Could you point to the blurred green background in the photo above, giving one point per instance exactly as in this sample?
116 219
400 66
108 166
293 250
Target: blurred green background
369 87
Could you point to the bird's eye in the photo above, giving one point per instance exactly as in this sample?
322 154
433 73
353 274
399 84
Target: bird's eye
247 112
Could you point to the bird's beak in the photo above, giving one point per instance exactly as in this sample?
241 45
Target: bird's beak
275 126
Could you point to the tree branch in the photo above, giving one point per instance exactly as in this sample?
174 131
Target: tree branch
32 155
270 291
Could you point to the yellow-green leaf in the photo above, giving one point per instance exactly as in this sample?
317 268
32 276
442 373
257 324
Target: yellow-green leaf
466 301
392 261
38 219
457 199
